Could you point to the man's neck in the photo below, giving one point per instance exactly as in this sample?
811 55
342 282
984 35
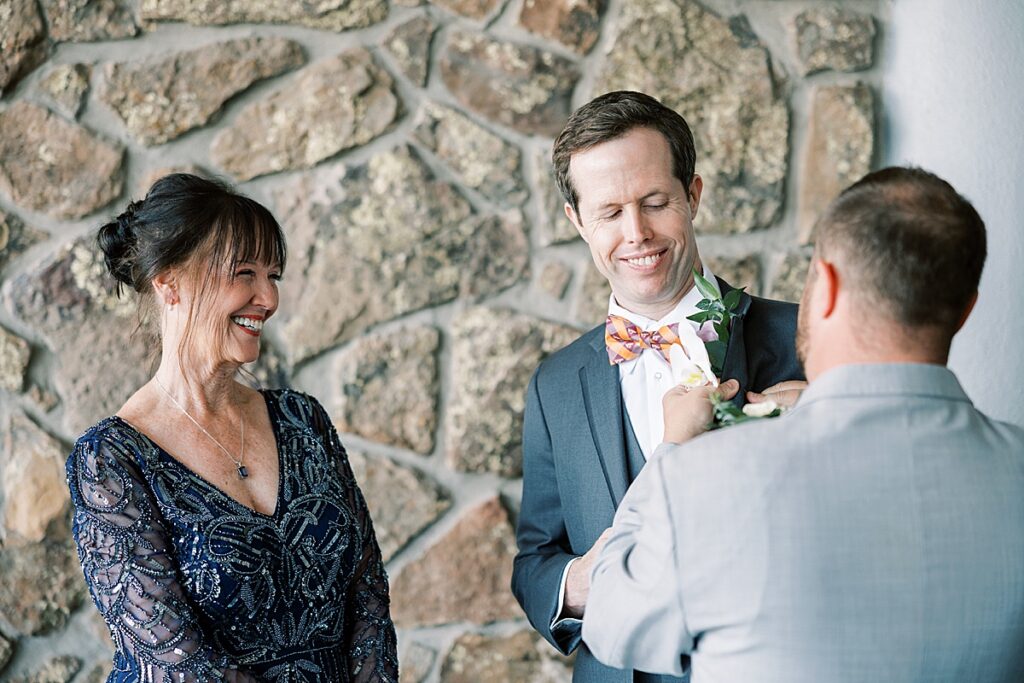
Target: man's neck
827 354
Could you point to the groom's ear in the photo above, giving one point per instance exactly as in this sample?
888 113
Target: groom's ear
575 220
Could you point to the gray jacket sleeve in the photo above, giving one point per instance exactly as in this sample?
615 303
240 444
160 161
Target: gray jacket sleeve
635 617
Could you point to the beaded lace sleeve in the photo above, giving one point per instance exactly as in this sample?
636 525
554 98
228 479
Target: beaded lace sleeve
370 640
130 566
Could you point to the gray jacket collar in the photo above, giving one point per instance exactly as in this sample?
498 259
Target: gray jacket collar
885 379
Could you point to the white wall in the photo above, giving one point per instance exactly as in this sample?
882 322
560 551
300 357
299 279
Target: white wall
953 100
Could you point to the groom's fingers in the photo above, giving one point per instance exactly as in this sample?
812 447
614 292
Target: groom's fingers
789 385
728 389
783 393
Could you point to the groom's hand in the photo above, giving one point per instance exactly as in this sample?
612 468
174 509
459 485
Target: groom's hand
577 583
784 394
688 410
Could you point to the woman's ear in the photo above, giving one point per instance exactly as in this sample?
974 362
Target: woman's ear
166 287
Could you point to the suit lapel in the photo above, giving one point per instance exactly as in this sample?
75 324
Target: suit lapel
735 364
602 399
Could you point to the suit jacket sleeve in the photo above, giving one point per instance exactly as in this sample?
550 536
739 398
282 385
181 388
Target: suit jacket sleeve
541 534
635 617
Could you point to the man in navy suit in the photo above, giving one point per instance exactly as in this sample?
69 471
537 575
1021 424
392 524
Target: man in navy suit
625 165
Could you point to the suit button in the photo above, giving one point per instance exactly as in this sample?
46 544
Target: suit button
657 375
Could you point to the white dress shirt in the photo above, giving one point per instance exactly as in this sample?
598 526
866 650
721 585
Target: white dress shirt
644 381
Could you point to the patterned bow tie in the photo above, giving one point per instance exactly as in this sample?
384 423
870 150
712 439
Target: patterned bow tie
626 341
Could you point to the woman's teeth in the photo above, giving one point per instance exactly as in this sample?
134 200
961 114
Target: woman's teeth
249 323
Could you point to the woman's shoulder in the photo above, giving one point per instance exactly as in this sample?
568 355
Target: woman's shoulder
111 437
294 402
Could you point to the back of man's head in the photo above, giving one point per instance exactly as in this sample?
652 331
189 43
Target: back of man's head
910 247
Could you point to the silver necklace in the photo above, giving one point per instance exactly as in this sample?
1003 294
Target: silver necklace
242 471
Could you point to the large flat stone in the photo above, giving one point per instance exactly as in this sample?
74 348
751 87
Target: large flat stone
388 388
513 84
833 38
717 74
554 279
22 40
7 650
592 300
791 276
574 23
432 590
161 98
840 144
474 9
402 501
409 44
332 105
70 300
485 416
42 584
65 86
56 670
328 15
522 656
738 271
14 355
377 241
554 226
15 237
54 166
479 158
417 660
34 487
88 20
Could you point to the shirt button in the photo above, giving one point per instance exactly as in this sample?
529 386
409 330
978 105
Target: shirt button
657 375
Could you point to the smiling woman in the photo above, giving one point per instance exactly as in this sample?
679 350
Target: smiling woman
220 528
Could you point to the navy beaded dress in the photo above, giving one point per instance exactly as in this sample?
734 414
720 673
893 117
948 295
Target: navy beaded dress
195 586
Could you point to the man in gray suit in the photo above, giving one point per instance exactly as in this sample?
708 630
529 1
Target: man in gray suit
625 164
873 533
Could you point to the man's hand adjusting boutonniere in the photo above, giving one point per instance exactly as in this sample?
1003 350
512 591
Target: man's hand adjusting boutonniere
699 402
688 410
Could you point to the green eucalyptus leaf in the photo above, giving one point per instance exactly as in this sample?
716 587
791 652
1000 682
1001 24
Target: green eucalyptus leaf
732 299
705 304
699 318
704 286
716 354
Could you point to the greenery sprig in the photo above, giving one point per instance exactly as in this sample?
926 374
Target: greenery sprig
720 311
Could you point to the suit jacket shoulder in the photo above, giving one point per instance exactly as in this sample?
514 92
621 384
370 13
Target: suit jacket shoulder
769 338
565 362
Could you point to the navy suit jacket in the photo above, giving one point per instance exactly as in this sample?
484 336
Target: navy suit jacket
575 468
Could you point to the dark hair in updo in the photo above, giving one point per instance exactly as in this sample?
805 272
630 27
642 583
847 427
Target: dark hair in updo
181 214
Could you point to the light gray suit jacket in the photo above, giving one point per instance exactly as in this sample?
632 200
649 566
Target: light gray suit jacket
874 533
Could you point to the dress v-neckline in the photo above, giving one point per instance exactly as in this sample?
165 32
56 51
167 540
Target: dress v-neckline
211 485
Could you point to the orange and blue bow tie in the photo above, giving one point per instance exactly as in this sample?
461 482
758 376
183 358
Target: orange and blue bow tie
626 341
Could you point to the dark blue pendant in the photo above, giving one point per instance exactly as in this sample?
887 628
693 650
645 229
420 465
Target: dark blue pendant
242 472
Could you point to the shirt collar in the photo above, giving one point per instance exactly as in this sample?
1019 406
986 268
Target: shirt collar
687 306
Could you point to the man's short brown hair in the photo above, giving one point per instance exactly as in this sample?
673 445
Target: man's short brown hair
611 116
914 248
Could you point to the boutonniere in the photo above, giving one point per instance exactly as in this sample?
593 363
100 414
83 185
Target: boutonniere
701 362
715 316
725 413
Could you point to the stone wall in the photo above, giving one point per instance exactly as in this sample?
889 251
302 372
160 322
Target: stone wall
404 145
